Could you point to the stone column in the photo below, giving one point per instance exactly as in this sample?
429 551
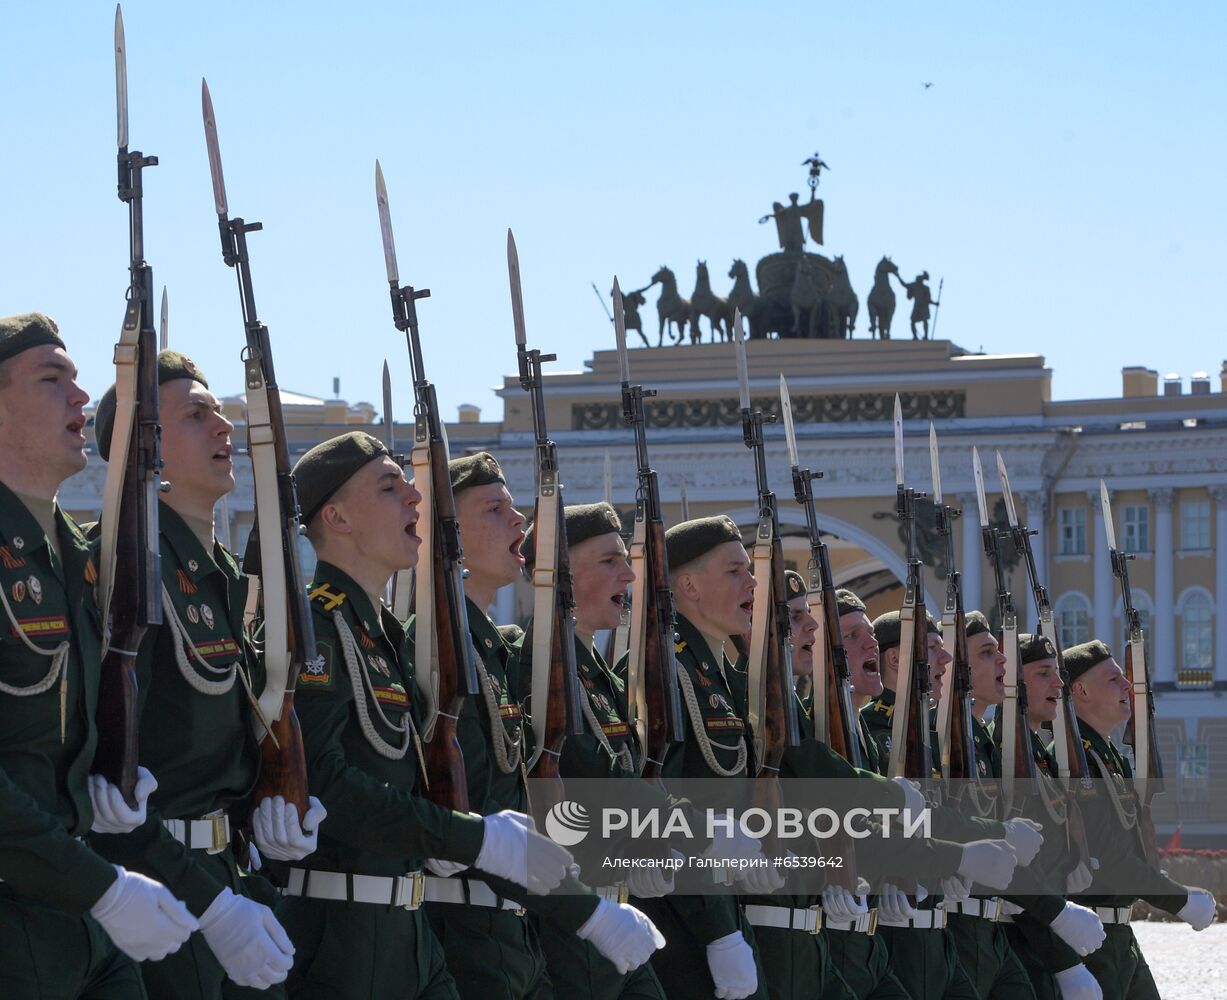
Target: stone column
972 559
1163 641
1036 519
1219 495
1103 626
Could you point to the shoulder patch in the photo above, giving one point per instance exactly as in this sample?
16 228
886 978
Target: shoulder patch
327 598
317 672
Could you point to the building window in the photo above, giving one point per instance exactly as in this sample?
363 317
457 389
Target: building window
1195 524
1072 523
1136 522
1073 622
1197 628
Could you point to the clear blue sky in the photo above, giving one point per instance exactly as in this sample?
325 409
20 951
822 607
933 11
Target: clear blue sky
1064 173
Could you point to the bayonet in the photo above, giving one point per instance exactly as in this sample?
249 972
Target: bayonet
790 432
164 324
385 227
935 465
607 475
121 82
624 364
215 156
389 426
978 472
1106 506
685 503
743 373
899 471
1006 493
517 297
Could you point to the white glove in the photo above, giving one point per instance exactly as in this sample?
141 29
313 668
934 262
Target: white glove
141 916
731 963
254 861
734 847
111 813
955 889
512 849
894 904
1078 984
762 879
913 800
1199 911
1078 927
1009 909
622 934
276 830
988 862
1026 837
444 869
1080 879
653 882
839 904
247 940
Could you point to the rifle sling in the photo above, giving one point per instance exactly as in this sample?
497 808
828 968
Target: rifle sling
426 650
756 654
636 683
545 579
903 695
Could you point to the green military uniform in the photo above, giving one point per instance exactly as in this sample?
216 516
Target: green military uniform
1115 839
494 951
198 738
50 652
357 706
715 746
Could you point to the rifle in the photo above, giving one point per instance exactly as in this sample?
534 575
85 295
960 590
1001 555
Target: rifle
619 638
772 707
653 700
1017 761
1071 755
1140 729
834 716
400 589
556 709
289 636
912 755
445 669
955 738
130 550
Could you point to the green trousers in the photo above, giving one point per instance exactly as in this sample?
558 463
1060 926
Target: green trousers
681 965
798 965
577 971
988 959
46 954
1120 968
355 951
863 965
192 972
1031 943
492 954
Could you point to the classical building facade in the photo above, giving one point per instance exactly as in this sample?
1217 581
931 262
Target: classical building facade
1161 449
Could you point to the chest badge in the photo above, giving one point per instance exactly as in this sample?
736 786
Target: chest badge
193 565
19 590
19 543
193 615
206 615
982 768
380 664
34 585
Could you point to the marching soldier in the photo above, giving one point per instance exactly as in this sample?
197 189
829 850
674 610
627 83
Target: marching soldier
353 906
69 920
198 680
1101 700
492 950
927 961
600 574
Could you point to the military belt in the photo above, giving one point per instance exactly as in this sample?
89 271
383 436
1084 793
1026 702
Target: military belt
383 890
210 833
616 893
1114 914
453 890
807 919
924 920
988 908
863 923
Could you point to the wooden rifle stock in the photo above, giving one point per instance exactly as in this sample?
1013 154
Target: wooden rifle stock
659 665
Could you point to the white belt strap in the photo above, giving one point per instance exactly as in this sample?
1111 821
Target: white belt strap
616 893
381 890
210 834
986 909
786 918
865 923
924 920
1114 914
452 890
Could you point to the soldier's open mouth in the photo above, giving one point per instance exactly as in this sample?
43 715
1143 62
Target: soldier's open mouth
747 607
619 600
411 529
870 667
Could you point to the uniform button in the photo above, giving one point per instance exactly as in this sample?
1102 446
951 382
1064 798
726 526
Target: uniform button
489 644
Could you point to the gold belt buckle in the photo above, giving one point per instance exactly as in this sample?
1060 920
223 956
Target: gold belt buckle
624 893
417 890
868 922
817 912
996 910
221 833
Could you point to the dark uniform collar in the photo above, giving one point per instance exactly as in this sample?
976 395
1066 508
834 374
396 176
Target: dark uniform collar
332 588
883 702
689 636
19 529
193 559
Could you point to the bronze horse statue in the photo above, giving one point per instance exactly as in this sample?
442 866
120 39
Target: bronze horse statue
842 300
705 302
631 301
670 307
881 301
806 299
742 296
